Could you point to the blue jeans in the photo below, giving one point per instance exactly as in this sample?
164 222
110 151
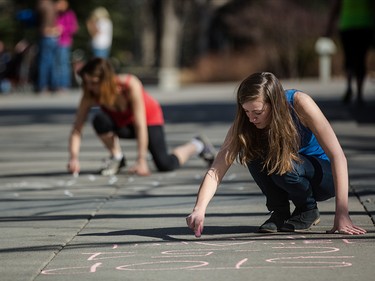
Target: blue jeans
64 68
47 68
311 181
101 53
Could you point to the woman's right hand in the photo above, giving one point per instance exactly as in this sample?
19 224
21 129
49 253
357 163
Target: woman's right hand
195 221
73 166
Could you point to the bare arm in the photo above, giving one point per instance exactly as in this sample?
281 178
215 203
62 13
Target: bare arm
208 188
75 135
313 118
91 27
140 125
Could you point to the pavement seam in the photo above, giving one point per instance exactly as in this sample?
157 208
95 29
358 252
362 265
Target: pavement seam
353 190
88 220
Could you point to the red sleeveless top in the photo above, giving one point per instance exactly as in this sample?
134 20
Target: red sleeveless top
154 113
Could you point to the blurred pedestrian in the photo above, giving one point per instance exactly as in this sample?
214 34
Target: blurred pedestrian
20 66
49 33
68 25
292 153
127 111
5 59
356 24
100 28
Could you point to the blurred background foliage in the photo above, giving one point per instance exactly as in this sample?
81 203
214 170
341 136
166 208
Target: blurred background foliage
220 40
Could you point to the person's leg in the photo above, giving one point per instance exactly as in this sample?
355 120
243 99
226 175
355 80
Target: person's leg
44 57
106 131
349 61
163 160
184 152
166 161
311 181
277 200
363 43
111 142
205 149
58 68
64 79
52 69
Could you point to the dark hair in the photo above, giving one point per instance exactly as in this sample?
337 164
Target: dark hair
97 67
102 69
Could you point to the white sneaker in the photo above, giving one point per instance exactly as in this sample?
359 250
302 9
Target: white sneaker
112 166
208 153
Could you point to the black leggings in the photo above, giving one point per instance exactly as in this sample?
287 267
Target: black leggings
164 161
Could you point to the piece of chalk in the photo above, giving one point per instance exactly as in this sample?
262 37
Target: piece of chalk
75 174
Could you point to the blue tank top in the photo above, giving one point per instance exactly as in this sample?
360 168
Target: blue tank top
309 143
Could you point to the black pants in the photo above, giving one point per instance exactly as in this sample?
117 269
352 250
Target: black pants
309 182
356 43
164 161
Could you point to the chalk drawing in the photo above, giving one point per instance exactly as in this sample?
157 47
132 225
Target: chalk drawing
198 255
158 265
241 262
224 244
312 261
112 255
185 253
72 270
317 250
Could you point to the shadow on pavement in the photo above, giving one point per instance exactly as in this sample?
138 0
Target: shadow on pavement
203 112
236 232
165 233
51 174
336 111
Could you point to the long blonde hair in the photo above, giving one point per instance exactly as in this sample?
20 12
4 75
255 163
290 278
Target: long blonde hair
103 70
277 146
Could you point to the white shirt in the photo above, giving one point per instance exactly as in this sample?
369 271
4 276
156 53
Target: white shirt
103 38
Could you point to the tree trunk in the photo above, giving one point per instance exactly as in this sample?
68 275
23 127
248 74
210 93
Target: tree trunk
170 47
148 36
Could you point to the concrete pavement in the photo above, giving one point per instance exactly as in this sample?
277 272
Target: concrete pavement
57 227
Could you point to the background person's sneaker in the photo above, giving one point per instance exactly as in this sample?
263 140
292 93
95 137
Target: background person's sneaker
209 152
275 222
112 166
301 220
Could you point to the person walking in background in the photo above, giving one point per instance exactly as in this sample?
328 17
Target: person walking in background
5 60
49 33
127 111
100 28
356 24
292 153
68 25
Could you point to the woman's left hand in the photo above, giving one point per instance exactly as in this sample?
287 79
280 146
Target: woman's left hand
140 168
344 225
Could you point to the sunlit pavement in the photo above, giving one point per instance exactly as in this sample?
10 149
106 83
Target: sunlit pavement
58 227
